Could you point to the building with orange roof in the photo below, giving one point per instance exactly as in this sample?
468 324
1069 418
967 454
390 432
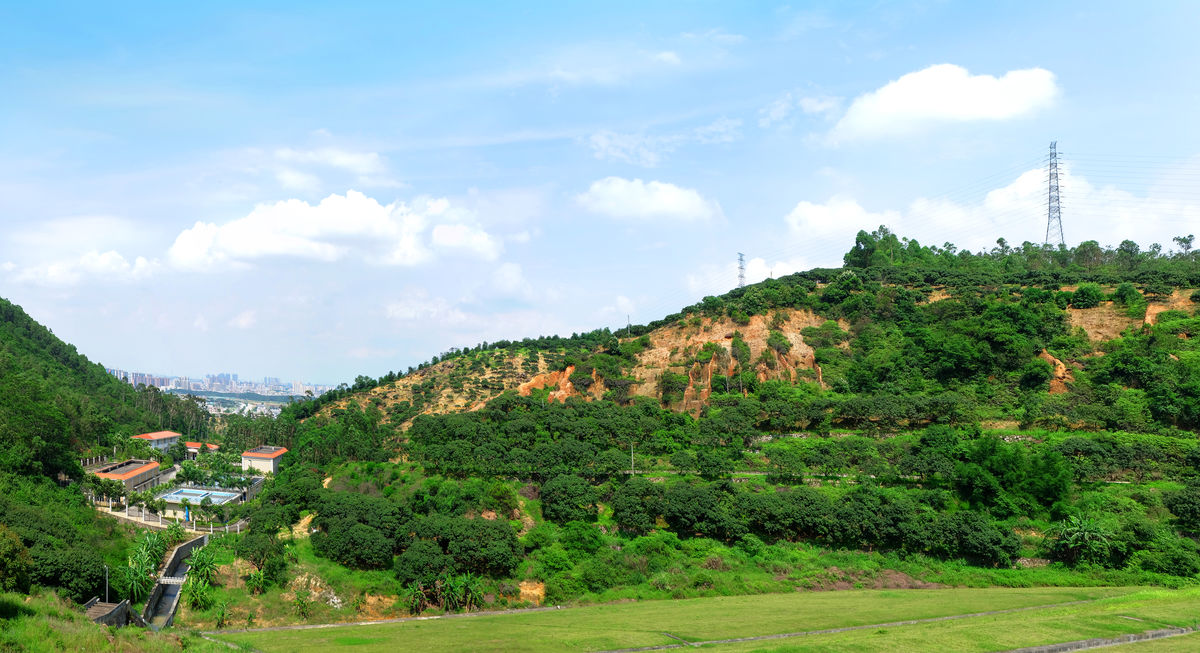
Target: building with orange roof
136 475
160 440
263 459
193 448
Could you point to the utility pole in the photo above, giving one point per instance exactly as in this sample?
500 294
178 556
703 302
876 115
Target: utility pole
1054 228
741 270
631 469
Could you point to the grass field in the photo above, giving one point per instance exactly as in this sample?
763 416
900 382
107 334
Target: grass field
1113 611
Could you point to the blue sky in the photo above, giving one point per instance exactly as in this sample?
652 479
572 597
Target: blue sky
318 191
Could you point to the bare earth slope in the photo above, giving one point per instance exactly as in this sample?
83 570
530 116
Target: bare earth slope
469 382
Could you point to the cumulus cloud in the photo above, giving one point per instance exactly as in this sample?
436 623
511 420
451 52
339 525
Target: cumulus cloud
337 227
93 266
648 150
468 239
945 93
1016 211
837 216
634 199
712 279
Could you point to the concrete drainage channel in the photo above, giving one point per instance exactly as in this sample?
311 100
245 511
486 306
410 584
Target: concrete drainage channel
164 599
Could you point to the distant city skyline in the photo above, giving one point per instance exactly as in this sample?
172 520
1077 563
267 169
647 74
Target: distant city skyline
227 382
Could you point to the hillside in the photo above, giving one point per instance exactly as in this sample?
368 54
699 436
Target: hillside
55 407
989 328
919 417
55 404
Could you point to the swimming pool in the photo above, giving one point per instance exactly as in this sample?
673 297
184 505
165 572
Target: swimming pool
196 496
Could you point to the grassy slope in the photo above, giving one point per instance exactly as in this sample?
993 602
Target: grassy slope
48 623
643 624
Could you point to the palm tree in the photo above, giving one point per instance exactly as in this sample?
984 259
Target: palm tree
185 504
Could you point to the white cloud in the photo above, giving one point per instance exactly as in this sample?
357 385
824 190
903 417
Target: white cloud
361 163
200 323
818 105
93 266
621 309
467 238
668 57
417 307
648 150
840 215
945 93
780 112
509 280
590 64
716 279
634 199
296 180
244 320
1016 211
637 149
722 130
338 227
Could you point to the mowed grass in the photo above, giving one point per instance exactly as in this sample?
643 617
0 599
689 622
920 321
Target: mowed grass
647 623
1170 644
1133 613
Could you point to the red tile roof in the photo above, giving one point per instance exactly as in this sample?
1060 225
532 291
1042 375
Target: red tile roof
196 445
130 474
158 435
265 452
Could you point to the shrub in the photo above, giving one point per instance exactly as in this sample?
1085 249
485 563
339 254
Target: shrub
568 498
1088 295
422 562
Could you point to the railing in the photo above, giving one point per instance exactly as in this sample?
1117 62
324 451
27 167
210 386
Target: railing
169 579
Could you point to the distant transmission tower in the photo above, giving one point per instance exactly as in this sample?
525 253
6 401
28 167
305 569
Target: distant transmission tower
741 270
1054 228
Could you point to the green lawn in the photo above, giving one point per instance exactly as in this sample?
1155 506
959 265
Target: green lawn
646 623
1137 612
1170 644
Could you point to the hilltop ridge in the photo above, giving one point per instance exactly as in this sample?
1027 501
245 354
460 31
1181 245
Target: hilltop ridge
899 319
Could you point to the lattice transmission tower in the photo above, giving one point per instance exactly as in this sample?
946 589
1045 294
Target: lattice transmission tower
1054 228
741 270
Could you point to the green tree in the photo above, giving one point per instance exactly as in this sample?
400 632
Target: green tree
1088 295
568 498
15 562
636 505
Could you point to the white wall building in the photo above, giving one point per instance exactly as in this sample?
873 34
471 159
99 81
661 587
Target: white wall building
263 459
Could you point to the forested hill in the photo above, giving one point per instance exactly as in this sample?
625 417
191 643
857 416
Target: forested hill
901 336
56 405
